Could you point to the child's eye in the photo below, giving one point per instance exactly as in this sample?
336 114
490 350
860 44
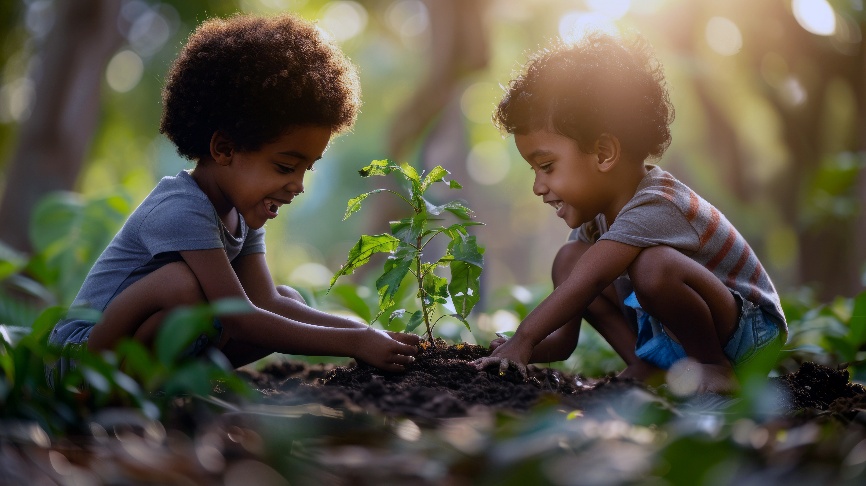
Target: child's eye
284 169
546 167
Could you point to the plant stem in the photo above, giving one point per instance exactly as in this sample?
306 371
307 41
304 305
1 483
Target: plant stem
424 309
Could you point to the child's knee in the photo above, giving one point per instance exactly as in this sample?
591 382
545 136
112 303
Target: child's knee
179 281
651 273
566 258
291 293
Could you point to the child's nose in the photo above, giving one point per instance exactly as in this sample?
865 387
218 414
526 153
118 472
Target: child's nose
538 188
296 186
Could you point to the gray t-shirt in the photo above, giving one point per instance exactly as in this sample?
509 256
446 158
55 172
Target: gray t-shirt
664 211
176 216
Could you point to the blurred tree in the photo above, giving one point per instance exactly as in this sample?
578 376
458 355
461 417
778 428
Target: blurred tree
53 140
798 73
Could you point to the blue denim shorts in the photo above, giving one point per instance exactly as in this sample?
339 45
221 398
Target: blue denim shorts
756 332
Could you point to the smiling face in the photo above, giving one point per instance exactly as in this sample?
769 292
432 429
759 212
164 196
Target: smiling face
571 181
257 183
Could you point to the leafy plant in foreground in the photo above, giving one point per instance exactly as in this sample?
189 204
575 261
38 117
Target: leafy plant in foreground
405 247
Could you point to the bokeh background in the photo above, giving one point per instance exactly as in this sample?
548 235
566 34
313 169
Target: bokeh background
770 127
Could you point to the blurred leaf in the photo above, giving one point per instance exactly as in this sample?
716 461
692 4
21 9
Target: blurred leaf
348 298
857 324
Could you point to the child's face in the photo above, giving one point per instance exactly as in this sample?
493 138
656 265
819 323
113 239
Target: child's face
260 181
566 178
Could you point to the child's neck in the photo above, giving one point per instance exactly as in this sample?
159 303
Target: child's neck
626 178
204 176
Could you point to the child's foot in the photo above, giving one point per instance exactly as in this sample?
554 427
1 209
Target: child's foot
643 372
688 377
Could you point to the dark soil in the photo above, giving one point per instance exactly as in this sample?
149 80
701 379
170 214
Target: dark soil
443 383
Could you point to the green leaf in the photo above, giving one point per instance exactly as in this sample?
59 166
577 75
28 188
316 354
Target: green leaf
396 268
363 250
355 203
437 174
466 249
182 326
415 320
458 209
409 230
230 306
464 287
416 192
857 324
466 266
378 168
435 289
454 185
349 298
11 260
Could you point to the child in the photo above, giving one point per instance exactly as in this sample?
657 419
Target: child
254 102
587 117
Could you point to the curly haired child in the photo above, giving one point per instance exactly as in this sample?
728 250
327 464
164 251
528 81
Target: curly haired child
254 101
656 269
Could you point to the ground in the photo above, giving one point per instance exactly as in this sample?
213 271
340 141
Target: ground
444 422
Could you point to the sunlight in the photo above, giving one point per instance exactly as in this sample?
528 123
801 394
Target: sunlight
614 9
16 100
488 163
311 274
816 16
408 18
343 20
723 36
575 24
124 71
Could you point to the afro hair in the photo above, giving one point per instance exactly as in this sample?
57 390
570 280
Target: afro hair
253 78
601 84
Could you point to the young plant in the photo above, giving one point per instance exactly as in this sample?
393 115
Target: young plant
406 243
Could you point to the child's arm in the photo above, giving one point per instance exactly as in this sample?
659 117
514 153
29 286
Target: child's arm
268 330
252 271
596 269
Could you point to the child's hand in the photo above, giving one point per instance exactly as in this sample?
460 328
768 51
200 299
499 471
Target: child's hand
379 349
405 337
507 352
498 341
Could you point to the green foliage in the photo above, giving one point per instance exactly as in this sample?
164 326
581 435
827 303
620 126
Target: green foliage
828 333
131 376
405 245
69 232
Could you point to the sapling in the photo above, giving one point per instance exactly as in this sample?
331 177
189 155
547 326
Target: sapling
405 247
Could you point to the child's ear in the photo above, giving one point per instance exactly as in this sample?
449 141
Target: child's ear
608 150
221 148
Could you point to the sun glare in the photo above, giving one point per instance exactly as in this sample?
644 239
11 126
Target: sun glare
723 36
816 16
615 9
574 25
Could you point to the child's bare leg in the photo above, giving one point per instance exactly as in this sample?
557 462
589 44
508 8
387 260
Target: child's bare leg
605 315
694 305
239 353
139 310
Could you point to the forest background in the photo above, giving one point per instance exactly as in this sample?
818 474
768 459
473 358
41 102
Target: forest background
770 126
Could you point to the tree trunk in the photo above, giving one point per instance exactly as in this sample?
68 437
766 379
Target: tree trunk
54 140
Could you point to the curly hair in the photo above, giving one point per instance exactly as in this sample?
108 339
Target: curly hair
253 78
600 84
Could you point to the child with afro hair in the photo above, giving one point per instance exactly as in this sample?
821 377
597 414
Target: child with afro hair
662 275
254 102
